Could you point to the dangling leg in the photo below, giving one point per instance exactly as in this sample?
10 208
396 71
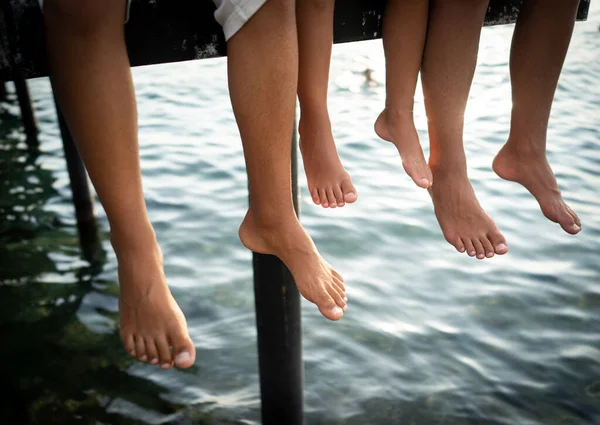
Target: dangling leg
92 80
263 75
328 182
448 68
539 47
404 31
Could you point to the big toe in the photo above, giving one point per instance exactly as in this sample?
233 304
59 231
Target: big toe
570 222
498 242
349 191
184 351
329 308
419 171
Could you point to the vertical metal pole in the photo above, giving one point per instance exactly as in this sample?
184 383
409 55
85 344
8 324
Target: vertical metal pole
27 114
82 196
279 329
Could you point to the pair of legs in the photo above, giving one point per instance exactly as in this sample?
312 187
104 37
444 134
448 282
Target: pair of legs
538 50
446 84
404 36
449 57
93 85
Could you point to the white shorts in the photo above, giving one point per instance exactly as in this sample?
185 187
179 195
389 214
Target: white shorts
126 12
233 14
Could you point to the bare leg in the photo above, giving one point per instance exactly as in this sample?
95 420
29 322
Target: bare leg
263 72
404 30
539 47
448 68
329 183
91 76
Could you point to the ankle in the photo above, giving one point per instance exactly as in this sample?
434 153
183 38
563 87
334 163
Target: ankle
447 163
137 237
398 116
527 146
315 114
272 220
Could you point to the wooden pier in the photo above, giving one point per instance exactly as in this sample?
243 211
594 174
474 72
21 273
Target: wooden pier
162 31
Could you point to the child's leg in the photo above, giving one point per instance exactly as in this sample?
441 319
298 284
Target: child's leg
404 31
329 183
91 76
263 75
448 67
539 47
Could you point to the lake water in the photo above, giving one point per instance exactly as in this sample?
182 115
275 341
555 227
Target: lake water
431 336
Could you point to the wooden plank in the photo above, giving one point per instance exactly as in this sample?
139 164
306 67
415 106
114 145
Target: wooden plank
161 31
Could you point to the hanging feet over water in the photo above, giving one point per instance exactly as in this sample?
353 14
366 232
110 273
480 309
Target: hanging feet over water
398 127
529 167
464 223
152 326
316 280
329 183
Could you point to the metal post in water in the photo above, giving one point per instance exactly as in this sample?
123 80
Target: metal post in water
27 114
82 196
278 324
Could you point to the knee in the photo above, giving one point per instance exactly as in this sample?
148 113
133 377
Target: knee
84 16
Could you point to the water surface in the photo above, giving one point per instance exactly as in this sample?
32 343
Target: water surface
431 336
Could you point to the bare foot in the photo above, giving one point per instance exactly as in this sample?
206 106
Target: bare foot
398 127
531 169
316 280
150 320
464 223
328 182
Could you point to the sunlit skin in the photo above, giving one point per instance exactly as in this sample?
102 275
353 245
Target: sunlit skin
539 47
92 80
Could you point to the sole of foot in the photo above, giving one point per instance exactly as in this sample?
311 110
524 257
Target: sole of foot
329 183
532 171
398 128
315 279
464 223
152 326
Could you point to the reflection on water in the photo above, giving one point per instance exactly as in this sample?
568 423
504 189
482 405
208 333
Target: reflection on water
58 369
431 337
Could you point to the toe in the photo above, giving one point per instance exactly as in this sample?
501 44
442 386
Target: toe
151 350
469 248
480 251
164 354
329 308
569 221
349 191
340 285
184 351
140 349
338 289
418 170
315 196
323 198
458 244
331 198
339 299
498 242
128 343
337 191
337 275
487 246
574 215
